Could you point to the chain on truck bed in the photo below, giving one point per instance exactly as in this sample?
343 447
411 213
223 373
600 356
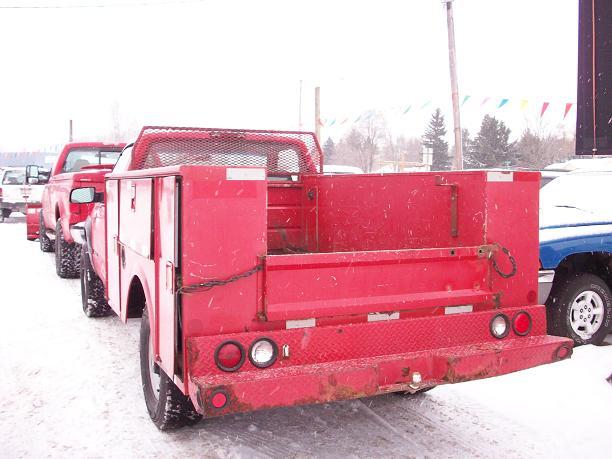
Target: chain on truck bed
205 286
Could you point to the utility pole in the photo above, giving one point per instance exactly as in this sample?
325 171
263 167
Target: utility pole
318 113
452 59
70 131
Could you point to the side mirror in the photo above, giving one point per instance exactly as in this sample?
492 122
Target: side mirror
83 195
32 173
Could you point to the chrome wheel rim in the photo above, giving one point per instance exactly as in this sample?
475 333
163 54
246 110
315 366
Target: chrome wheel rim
154 377
586 314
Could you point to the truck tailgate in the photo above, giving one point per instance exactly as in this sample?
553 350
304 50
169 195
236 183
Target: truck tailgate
311 285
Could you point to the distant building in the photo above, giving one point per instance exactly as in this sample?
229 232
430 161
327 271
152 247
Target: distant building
38 158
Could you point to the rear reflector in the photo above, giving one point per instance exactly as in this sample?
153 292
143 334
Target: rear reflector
458 309
380 316
303 323
218 399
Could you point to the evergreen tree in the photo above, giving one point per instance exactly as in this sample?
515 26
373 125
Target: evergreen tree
434 139
466 148
329 150
491 147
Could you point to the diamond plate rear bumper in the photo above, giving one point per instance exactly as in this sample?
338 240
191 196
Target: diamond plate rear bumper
337 362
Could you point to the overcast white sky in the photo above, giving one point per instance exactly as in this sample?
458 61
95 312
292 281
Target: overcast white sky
237 63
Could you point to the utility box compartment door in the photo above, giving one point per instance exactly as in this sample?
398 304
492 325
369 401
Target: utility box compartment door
166 195
135 225
112 245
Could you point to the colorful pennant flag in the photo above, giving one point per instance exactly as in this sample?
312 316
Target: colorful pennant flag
425 105
524 104
344 121
568 107
544 108
332 123
465 99
502 103
484 101
407 109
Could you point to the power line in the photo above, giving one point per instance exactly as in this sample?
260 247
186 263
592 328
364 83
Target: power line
99 5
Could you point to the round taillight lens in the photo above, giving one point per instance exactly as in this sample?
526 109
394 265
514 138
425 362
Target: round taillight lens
229 356
218 399
521 323
500 326
263 353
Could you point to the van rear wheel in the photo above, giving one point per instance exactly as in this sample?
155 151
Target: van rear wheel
166 404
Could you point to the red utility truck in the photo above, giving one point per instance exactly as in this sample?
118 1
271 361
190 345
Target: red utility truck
262 282
78 165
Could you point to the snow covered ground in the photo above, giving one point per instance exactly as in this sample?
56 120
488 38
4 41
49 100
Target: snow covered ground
70 387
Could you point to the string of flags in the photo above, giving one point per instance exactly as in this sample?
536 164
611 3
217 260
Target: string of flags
498 104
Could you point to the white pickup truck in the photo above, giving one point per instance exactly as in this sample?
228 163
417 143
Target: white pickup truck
16 192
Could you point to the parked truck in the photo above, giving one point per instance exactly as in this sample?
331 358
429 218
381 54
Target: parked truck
79 164
261 282
16 191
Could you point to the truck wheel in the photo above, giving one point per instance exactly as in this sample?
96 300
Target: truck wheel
6 213
46 245
166 404
580 308
92 289
67 256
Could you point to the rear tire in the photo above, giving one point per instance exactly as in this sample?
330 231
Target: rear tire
46 245
67 256
166 404
6 213
580 307
92 289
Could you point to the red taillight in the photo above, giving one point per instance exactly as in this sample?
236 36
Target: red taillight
521 323
229 356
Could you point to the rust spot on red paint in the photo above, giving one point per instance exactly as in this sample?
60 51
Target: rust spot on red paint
193 354
452 376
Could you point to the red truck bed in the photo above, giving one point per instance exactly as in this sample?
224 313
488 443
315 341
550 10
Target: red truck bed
360 284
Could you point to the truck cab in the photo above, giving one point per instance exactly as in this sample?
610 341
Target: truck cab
79 164
261 282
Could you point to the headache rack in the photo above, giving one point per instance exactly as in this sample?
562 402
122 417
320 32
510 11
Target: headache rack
280 152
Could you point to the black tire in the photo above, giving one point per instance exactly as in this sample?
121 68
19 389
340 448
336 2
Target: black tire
559 313
46 244
67 256
92 289
6 213
167 406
